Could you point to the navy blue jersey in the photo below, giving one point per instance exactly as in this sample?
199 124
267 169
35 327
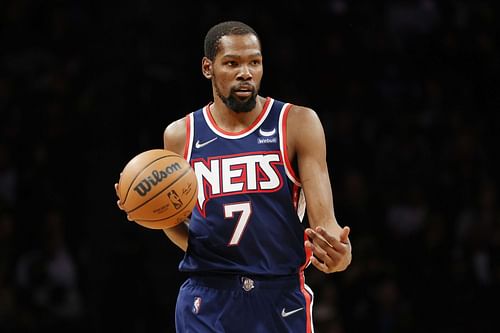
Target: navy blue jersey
249 211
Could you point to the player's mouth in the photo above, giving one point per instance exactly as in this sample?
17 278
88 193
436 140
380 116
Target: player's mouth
244 91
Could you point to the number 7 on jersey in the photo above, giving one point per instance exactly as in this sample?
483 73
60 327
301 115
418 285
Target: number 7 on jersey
246 211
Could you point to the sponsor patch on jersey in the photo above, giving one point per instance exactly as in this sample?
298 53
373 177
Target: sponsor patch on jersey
267 140
267 133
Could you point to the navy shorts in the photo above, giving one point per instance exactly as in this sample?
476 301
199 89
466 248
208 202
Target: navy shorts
240 304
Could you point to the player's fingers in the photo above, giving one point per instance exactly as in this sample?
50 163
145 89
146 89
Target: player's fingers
330 249
119 204
319 265
317 250
322 266
328 256
315 237
332 241
328 237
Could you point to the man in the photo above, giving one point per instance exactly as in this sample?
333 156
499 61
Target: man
256 159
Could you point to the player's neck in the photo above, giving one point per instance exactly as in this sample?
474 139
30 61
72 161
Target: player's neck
232 121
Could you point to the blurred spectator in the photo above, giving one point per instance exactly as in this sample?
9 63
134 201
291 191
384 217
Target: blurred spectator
7 287
47 278
8 177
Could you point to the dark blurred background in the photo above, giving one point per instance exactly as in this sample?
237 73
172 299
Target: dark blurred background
408 94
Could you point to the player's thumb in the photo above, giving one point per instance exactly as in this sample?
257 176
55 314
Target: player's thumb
344 234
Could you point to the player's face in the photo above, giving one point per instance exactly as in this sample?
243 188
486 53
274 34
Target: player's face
237 71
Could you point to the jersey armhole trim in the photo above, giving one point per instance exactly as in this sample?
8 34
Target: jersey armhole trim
188 145
283 147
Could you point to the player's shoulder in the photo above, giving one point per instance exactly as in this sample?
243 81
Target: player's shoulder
174 136
302 114
303 122
176 127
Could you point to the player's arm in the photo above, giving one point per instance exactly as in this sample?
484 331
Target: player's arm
174 139
329 242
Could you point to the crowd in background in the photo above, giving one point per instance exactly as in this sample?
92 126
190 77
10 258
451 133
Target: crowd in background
408 93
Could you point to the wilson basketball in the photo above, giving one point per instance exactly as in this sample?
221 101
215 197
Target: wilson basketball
158 189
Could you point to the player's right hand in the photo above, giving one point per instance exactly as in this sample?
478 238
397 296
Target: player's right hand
118 202
117 191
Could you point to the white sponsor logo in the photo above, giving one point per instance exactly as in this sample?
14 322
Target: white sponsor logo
285 314
267 133
199 144
267 140
196 305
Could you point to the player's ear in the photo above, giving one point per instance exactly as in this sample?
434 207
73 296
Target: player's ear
206 67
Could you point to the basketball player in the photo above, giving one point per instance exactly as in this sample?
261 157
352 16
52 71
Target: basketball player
258 161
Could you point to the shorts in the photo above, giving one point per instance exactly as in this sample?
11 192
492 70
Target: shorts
240 304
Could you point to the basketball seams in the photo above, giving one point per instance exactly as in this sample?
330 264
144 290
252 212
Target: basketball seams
140 173
163 190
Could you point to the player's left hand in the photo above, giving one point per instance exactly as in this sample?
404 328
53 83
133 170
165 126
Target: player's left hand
329 253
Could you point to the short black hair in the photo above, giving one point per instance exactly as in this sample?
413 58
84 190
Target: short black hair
215 33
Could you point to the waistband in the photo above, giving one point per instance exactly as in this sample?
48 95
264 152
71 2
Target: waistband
246 282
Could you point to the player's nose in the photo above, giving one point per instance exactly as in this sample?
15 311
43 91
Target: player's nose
245 73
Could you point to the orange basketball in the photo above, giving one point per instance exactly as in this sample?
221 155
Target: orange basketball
158 189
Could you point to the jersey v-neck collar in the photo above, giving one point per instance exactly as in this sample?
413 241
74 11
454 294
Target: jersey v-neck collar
240 134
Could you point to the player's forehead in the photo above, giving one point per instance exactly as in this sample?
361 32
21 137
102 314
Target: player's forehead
238 45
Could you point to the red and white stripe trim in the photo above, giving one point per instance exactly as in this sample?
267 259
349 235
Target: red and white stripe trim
188 145
237 135
283 146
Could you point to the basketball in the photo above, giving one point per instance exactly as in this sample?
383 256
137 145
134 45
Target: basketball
157 189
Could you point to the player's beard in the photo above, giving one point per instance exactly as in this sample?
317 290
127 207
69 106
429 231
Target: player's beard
236 104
